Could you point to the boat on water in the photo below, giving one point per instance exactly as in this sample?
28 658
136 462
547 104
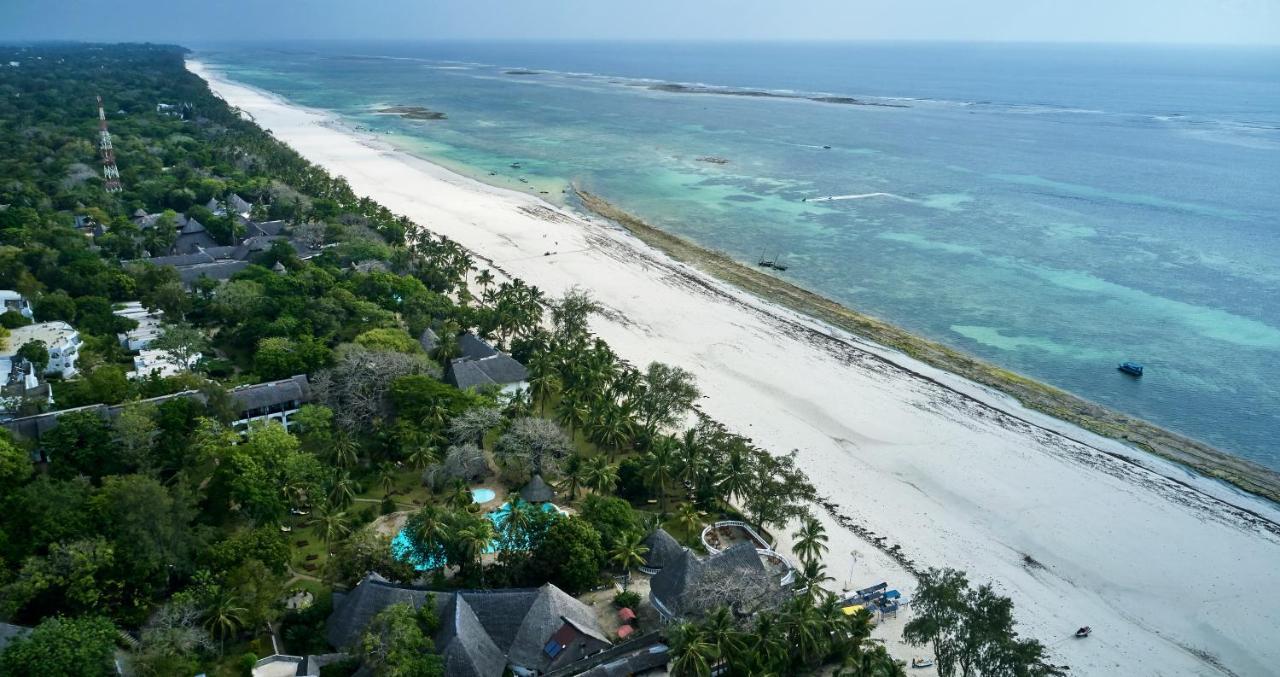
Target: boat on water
1130 368
921 662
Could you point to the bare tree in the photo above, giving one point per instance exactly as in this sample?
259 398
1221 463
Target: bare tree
466 462
470 426
356 387
534 441
744 590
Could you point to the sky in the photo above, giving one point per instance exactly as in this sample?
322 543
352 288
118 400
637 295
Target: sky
197 21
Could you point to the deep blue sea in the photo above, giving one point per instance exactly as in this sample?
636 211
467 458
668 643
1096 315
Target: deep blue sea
1052 209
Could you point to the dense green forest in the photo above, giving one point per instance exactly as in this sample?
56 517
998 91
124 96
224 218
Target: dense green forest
166 540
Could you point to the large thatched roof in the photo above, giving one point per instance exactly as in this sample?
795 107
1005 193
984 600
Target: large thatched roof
663 550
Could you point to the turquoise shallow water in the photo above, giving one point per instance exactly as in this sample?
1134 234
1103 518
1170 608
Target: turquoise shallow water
1055 210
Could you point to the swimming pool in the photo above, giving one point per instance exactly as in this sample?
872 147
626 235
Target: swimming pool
403 551
482 495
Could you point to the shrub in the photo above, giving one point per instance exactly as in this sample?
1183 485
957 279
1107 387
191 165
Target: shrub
628 599
245 663
388 506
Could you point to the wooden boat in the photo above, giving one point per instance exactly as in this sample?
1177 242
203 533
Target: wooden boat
1084 632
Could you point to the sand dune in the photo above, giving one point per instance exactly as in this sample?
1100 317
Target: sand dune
1176 574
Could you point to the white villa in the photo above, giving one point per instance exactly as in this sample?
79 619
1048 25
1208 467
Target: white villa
16 302
148 329
60 338
161 363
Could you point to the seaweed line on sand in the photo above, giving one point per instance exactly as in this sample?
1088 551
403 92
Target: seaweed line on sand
1036 396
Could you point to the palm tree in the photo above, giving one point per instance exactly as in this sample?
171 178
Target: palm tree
691 452
573 474
344 489
428 530
601 476
805 629
343 450
723 634
810 540
459 497
657 470
420 456
515 524
736 479
811 577
542 380
475 539
331 525
692 655
484 279
628 554
387 479
770 643
688 519
224 616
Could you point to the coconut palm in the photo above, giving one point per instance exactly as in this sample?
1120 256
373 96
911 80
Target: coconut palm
573 475
805 630
690 462
722 632
736 479
387 479
484 279
459 497
811 577
543 381
342 492
344 451
474 539
427 531
657 469
421 455
331 525
628 554
601 476
810 540
770 644
692 655
515 523
224 616
688 519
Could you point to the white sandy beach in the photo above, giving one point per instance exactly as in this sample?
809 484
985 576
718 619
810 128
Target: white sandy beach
1173 578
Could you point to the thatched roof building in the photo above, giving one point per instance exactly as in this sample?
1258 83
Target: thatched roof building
537 491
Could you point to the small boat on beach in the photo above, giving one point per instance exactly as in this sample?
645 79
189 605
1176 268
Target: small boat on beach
1130 368
921 662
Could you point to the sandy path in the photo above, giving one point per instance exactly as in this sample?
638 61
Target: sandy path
1173 580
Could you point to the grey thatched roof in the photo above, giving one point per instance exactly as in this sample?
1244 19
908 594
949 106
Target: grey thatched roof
219 270
466 646
191 243
537 491
677 579
293 389
663 549
269 228
188 226
262 395
353 610
482 365
481 632
429 340
472 347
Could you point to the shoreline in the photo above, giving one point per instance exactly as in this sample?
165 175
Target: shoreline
1046 399
1175 571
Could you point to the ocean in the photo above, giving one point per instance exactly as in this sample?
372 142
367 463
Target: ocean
1053 209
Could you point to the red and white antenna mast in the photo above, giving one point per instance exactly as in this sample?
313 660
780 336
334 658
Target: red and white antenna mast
110 174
